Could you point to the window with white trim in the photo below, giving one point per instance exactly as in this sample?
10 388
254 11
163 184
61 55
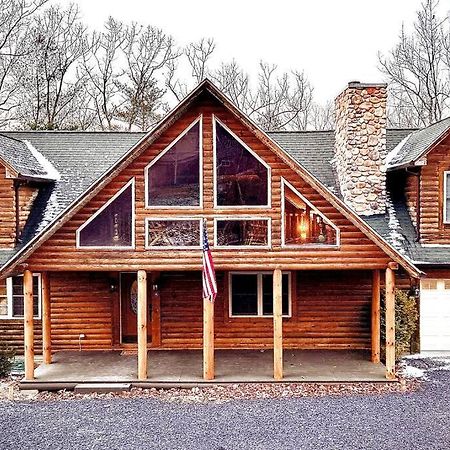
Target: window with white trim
173 233
112 226
251 294
242 232
447 197
11 297
241 178
173 178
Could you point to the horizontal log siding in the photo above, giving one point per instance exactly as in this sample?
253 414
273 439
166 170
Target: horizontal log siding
7 211
27 194
81 303
411 195
432 228
329 310
59 252
11 334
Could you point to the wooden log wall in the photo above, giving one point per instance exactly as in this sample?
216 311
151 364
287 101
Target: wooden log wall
7 211
59 252
11 334
411 194
27 193
330 310
432 228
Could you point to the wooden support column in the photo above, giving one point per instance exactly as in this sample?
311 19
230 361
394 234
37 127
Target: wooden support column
277 325
376 317
46 319
390 323
156 310
28 324
208 339
142 324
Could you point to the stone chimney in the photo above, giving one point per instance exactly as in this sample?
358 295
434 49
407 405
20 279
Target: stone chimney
361 146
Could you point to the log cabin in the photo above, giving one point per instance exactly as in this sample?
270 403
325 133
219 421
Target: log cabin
101 232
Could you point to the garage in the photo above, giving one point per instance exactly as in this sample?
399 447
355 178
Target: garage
435 315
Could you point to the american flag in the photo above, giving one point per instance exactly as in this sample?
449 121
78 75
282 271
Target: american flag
209 275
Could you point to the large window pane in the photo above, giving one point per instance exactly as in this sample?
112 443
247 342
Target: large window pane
17 299
447 198
244 295
303 225
267 293
112 226
241 178
242 232
174 179
173 233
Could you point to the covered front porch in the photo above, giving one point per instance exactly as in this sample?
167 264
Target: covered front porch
184 367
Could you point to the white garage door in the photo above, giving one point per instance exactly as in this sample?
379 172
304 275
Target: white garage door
435 315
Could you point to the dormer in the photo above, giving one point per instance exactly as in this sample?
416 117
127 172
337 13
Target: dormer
23 171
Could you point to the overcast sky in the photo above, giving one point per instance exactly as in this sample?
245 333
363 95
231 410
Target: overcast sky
333 41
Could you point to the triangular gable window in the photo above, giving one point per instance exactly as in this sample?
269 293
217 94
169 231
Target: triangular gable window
173 178
242 178
303 224
113 224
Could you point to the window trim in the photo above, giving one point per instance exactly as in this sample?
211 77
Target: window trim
198 120
260 314
174 247
238 247
100 210
216 121
284 183
445 219
9 299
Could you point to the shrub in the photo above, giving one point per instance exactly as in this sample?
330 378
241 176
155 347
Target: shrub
6 359
406 319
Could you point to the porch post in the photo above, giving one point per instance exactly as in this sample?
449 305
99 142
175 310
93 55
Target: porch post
208 339
376 316
277 325
46 323
390 323
142 324
28 324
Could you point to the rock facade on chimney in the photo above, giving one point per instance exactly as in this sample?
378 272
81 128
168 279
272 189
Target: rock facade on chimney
360 149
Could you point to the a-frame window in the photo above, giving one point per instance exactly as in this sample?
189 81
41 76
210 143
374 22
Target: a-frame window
173 179
303 224
112 226
242 179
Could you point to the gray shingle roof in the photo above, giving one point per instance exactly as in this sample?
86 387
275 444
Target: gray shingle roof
82 157
418 143
18 155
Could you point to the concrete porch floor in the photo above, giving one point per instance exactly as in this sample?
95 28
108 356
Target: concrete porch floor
232 366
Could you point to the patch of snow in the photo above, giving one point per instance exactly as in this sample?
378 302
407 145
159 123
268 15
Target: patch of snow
52 173
396 150
413 372
51 210
395 235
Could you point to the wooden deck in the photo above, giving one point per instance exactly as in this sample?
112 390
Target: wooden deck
185 368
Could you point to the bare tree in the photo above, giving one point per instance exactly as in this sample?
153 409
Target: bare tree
418 70
15 17
102 70
322 117
51 85
148 53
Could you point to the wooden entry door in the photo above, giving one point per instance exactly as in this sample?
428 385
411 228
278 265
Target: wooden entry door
128 296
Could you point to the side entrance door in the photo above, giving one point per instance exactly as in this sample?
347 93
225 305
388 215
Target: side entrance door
128 296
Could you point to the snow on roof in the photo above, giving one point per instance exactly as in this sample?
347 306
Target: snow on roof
49 168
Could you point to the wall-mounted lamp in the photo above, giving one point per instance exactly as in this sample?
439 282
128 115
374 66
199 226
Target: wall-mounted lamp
113 286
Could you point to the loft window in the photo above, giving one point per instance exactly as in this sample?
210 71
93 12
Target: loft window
251 294
11 297
173 178
242 232
112 226
447 197
242 178
171 233
303 224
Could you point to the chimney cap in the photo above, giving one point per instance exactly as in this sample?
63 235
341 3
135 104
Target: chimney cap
359 85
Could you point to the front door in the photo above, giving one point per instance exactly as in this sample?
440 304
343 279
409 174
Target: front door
128 295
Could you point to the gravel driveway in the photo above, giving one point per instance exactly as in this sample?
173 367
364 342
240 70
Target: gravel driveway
417 420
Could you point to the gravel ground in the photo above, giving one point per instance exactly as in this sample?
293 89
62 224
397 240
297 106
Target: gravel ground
411 416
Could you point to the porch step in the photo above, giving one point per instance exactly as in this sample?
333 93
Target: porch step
101 388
